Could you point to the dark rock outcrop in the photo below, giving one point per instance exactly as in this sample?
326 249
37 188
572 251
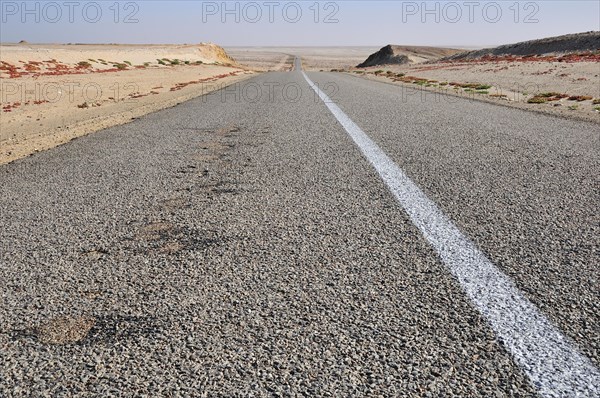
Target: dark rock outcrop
385 56
572 43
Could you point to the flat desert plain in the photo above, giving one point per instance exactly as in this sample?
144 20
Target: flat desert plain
313 58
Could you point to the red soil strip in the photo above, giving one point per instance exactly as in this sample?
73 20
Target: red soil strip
10 107
54 68
180 86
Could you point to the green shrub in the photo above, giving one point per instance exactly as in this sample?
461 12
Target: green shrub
548 95
580 98
467 85
537 100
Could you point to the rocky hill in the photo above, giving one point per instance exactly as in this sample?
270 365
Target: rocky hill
397 55
572 43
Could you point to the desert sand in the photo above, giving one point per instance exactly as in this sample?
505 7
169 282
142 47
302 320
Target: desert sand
575 87
51 94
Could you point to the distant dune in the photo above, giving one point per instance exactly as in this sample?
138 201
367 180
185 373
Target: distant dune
398 55
572 43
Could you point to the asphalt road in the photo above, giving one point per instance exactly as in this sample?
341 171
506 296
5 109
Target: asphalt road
243 244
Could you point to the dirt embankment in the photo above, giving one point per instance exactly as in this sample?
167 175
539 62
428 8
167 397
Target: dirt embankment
51 94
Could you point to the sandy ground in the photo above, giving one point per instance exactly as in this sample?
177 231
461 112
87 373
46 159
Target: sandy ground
511 83
44 105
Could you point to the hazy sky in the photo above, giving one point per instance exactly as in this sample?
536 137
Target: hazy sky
286 23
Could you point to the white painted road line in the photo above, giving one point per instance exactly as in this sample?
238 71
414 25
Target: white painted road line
550 360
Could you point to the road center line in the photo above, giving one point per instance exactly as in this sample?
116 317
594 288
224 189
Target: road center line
550 360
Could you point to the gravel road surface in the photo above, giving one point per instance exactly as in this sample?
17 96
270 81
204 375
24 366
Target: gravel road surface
240 244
